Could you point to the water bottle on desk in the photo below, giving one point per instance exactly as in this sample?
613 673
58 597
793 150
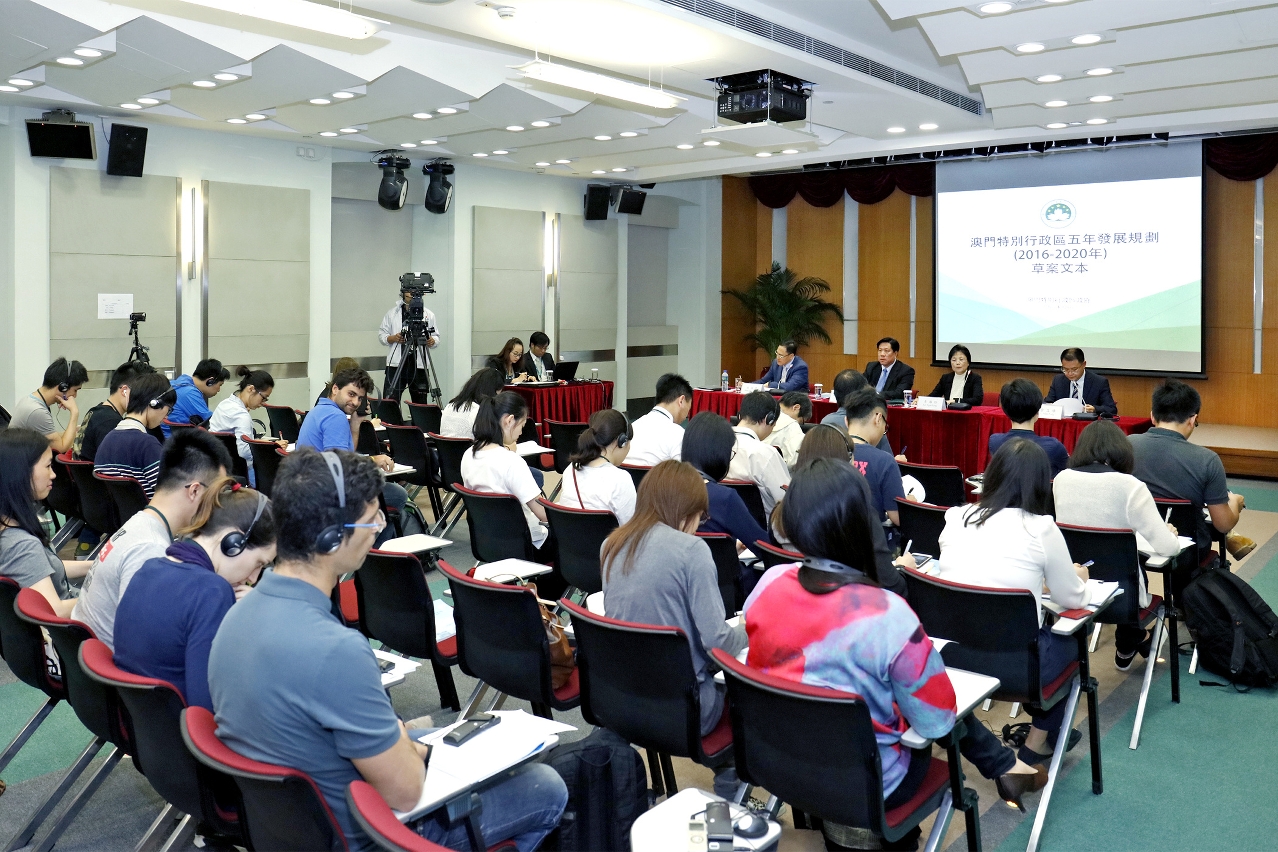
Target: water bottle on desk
723 381
909 399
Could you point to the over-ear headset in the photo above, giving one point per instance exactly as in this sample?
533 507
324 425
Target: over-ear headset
622 440
65 385
235 542
770 418
169 398
330 538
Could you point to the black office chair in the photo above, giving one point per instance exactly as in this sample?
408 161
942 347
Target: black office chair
451 451
751 497
284 421
98 506
563 439
1181 572
230 440
501 640
769 554
267 456
579 534
388 411
426 417
923 524
636 472
369 444
64 499
127 493
408 446
944 483
723 549
497 526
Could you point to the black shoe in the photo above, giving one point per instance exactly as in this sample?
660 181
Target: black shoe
1013 785
1123 662
1028 755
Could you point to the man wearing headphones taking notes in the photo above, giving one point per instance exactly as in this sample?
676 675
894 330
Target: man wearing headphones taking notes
130 449
34 411
195 391
753 460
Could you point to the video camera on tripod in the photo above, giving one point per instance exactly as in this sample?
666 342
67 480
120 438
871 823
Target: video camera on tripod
416 329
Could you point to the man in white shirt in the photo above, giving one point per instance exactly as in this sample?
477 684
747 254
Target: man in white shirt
787 435
658 434
391 333
752 459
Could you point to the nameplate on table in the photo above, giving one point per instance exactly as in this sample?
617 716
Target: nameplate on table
930 403
1051 411
504 569
751 387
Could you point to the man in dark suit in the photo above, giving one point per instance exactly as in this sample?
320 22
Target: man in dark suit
788 372
537 361
1075 382
890 376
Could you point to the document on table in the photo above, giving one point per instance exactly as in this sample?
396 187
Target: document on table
1146 548
495 572
531 448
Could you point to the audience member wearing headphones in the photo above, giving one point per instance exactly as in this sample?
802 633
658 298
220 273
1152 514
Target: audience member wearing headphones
232 414
1009 540
491 465
867 424
26 463
458 417
130 449
593 480
656 571
856 637
192 460
195 391
754 460
171 609
294 686
845 382
787 434
707 446
99 420
62 381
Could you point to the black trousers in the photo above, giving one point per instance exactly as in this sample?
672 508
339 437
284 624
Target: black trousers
411 377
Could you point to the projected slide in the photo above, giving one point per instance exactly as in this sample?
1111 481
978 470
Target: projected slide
1112 266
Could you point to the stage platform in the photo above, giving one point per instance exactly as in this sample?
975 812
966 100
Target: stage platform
1245 450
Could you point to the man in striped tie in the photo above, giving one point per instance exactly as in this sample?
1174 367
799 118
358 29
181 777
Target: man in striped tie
1075 382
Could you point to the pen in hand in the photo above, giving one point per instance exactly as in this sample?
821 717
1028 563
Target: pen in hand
1167 517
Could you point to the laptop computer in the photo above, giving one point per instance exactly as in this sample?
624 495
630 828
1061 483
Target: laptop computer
566 371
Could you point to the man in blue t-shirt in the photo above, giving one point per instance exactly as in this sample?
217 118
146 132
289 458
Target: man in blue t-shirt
1020 400
195 391
866 414
293 686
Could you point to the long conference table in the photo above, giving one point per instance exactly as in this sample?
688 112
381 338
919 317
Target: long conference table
570 403
959 438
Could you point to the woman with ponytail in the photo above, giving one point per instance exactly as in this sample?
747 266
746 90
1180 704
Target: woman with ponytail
232 413
173 606
492 465
594 479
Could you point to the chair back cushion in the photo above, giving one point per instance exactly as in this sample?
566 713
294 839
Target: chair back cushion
22 645
283 421
451 451
769 554
751 497
943 483
497 526
427 417
97 503
636 472
563 438
395 604
1115 559
65 496
580 534
266 461
127 493
408 446
922 523
723 548
231 441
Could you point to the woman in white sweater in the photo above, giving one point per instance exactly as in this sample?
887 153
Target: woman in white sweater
1009 540
232 413
594 480
1098 490
458 417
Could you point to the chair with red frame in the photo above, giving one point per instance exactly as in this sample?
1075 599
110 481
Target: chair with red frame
501 641
99 508
750 495
450 452
837 777
285 421
96 706
921 523
229 440
498 529
154 708
408 446
579 533
283 809
267 456
637 680
175 424
943 483
380 823
637 472
730 573
127 493
64 499
426 416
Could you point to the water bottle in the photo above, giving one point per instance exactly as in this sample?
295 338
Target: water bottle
723 381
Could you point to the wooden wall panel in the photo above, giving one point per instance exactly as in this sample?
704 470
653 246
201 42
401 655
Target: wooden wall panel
739 264
814 247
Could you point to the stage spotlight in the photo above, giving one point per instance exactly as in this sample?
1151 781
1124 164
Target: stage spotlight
394 189
439 192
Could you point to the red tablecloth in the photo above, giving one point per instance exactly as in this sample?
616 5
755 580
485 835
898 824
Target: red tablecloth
962 437
729 403
572 403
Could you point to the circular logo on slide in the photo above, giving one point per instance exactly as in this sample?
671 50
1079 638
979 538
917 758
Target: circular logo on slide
1057 213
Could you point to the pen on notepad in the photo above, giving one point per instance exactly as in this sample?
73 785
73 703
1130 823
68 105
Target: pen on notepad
908 545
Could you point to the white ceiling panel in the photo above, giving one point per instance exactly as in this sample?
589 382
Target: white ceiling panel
281 76
31 34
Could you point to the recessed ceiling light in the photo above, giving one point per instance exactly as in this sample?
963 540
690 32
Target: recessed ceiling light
430 141
710 143
405 144
322 132
1101 99
479 154
764 154
896 130
563 162
1057 125
69 60
500 153
599 172
226 77
18 81
1099 72
1056 103
603 138
1048 78
928 126
628 134
684 147
618 170
87 52
343 96
514 128
790 151
1055 1
321 101
540 123
148 101
204 84
245 121
122 106
422 115
541 165
255 116
446 110
9 89
996 8
1098 121
1029 47
1085 38
348 130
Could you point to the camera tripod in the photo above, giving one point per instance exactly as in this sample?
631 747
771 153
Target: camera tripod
138 352
413 346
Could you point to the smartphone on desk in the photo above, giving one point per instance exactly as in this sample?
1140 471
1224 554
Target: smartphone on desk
472 726
921 559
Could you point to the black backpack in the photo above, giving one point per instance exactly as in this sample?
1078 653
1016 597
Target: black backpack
607 791
1236 631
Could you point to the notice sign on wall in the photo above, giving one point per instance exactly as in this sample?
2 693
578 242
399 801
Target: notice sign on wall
115 305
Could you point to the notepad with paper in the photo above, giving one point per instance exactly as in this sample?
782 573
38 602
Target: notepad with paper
531 448
502 569
416 543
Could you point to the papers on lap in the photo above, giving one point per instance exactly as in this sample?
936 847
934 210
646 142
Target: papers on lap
495 572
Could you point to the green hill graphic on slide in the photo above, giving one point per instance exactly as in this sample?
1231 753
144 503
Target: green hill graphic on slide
970 315
1168 321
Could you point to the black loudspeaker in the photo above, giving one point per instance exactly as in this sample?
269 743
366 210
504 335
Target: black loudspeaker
597 201
61 137
631 201
127 150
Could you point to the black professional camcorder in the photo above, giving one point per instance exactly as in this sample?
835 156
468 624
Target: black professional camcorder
416 329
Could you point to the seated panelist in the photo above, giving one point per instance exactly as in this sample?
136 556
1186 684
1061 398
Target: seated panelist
889 375
788 371
1074 382
537 362
507 361
960 384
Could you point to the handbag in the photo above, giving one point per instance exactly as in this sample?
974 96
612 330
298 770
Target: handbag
562 661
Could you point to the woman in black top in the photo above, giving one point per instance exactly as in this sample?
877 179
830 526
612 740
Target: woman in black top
972 392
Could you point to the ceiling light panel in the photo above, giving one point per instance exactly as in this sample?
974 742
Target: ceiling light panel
599 84
297 13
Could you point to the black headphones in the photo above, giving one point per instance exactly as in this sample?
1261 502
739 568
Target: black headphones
622 440
330 538
235 542
769 419
65 385
169 398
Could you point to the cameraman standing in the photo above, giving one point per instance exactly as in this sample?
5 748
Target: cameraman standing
391 333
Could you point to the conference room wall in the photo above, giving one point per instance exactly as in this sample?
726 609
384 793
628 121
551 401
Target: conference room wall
509 278
587 299
8 342
814 239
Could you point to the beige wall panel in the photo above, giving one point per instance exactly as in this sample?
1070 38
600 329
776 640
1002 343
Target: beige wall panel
587 246
508 299
587 300
643 373
371 248
259 222
256 349
509 239
235 285
91 212
577 339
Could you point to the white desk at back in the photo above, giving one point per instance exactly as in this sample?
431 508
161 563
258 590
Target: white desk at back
970 689
665 827
1070 621
455 770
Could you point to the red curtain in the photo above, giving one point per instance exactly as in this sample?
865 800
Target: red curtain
825 188
1242 157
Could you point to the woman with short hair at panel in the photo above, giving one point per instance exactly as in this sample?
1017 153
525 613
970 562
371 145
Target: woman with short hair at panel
856 637
26 478
173 606
458 417
506 362
232 413
1009 540
594 479
708 443
1098 490
656 571
960 384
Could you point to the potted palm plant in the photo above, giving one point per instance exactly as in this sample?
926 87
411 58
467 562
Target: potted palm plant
786 307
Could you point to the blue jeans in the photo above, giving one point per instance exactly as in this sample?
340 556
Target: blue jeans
1055 653
525 807
395 496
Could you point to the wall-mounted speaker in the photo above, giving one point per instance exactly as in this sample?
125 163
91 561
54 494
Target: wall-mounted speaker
58 134
631 201
597 195
127 150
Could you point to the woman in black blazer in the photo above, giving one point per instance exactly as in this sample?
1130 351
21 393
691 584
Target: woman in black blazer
973 393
